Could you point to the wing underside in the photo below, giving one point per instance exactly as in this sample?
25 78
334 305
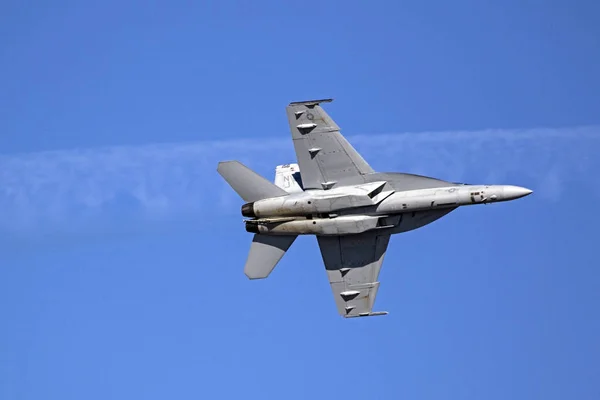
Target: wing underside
324 155
353 263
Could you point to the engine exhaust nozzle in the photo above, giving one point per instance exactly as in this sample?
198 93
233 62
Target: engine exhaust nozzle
252 228
248 210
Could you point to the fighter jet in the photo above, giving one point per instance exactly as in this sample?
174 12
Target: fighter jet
334 194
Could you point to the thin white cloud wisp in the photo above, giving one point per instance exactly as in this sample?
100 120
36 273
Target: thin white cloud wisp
77 187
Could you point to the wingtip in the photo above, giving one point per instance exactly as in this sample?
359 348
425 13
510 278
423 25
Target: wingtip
367 314
310 102
227 162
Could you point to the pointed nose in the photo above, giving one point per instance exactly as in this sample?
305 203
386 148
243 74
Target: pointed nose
515 192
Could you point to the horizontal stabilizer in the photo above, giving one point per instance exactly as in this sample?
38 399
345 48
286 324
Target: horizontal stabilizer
248 184
265 253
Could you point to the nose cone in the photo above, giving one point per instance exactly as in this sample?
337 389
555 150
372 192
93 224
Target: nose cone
515 192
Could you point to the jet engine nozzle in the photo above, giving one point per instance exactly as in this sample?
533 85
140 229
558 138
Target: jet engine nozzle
252 228
248 210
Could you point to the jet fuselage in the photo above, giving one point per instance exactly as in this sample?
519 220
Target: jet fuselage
353 210
361 208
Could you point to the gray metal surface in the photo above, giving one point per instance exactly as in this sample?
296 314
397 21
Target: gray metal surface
265 253
401 181
248 184
353 263
324 155
352 209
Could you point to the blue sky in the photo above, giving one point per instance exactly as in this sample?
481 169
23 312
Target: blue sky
121 249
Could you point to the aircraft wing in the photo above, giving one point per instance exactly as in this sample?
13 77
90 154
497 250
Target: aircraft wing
324 155
352 263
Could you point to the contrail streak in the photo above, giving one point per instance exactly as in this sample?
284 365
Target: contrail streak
55 189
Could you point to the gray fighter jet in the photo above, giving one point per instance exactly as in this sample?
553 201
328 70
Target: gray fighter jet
351 209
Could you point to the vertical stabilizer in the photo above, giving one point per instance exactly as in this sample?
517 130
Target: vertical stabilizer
287 177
